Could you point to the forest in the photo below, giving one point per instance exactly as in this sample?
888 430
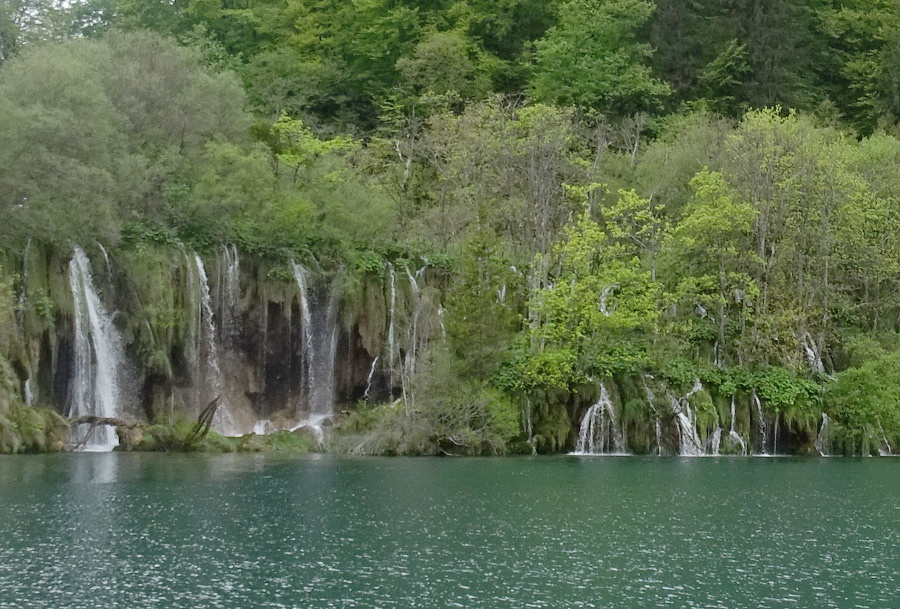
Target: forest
603 225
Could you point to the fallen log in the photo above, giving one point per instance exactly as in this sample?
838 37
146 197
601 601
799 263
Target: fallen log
204 422
95 420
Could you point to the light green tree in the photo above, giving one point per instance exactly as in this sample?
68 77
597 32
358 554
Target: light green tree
710 260
596 314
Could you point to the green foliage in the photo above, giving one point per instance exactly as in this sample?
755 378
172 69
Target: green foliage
865 405
563 245
295 145
96 132
735 56
447 64
177 435
782 391
595 316
158 317
710 252
451 415
484 305
593 59
24 429
863 40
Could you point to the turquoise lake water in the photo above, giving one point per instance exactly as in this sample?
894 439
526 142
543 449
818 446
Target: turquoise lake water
243 531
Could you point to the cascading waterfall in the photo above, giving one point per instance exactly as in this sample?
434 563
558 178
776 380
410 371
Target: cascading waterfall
369 379
813 358
658 429
308 348
323 398
410 359
689 444
416 342
28 393
99 358
657 424
734 435
715 442
440 313
604 298
223 421
763 426
229 290
319 348
108 264
392 328
823 443
600 433
775 436
885 450
528 423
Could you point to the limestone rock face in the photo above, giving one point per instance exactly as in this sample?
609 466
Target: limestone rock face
130 436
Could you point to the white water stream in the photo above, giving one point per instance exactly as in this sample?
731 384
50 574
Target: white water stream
689 444
99 359
600 432
734 435
213 380
319 348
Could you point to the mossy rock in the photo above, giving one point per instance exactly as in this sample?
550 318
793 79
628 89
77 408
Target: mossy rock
32 430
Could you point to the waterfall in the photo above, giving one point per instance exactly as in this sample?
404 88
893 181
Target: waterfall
319 344
108 263
657 424
823 442
600 433
813 358
715 442
689 444
308 349
323 399
735 436
99 357
28 393
229 290
763 427
411 359
392 329
440 313
604 297
885 450
658 428
416 343
369 379
223 422
528 423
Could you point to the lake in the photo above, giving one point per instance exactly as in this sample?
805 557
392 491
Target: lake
109 530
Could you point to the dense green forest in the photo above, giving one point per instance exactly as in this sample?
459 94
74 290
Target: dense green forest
618 197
